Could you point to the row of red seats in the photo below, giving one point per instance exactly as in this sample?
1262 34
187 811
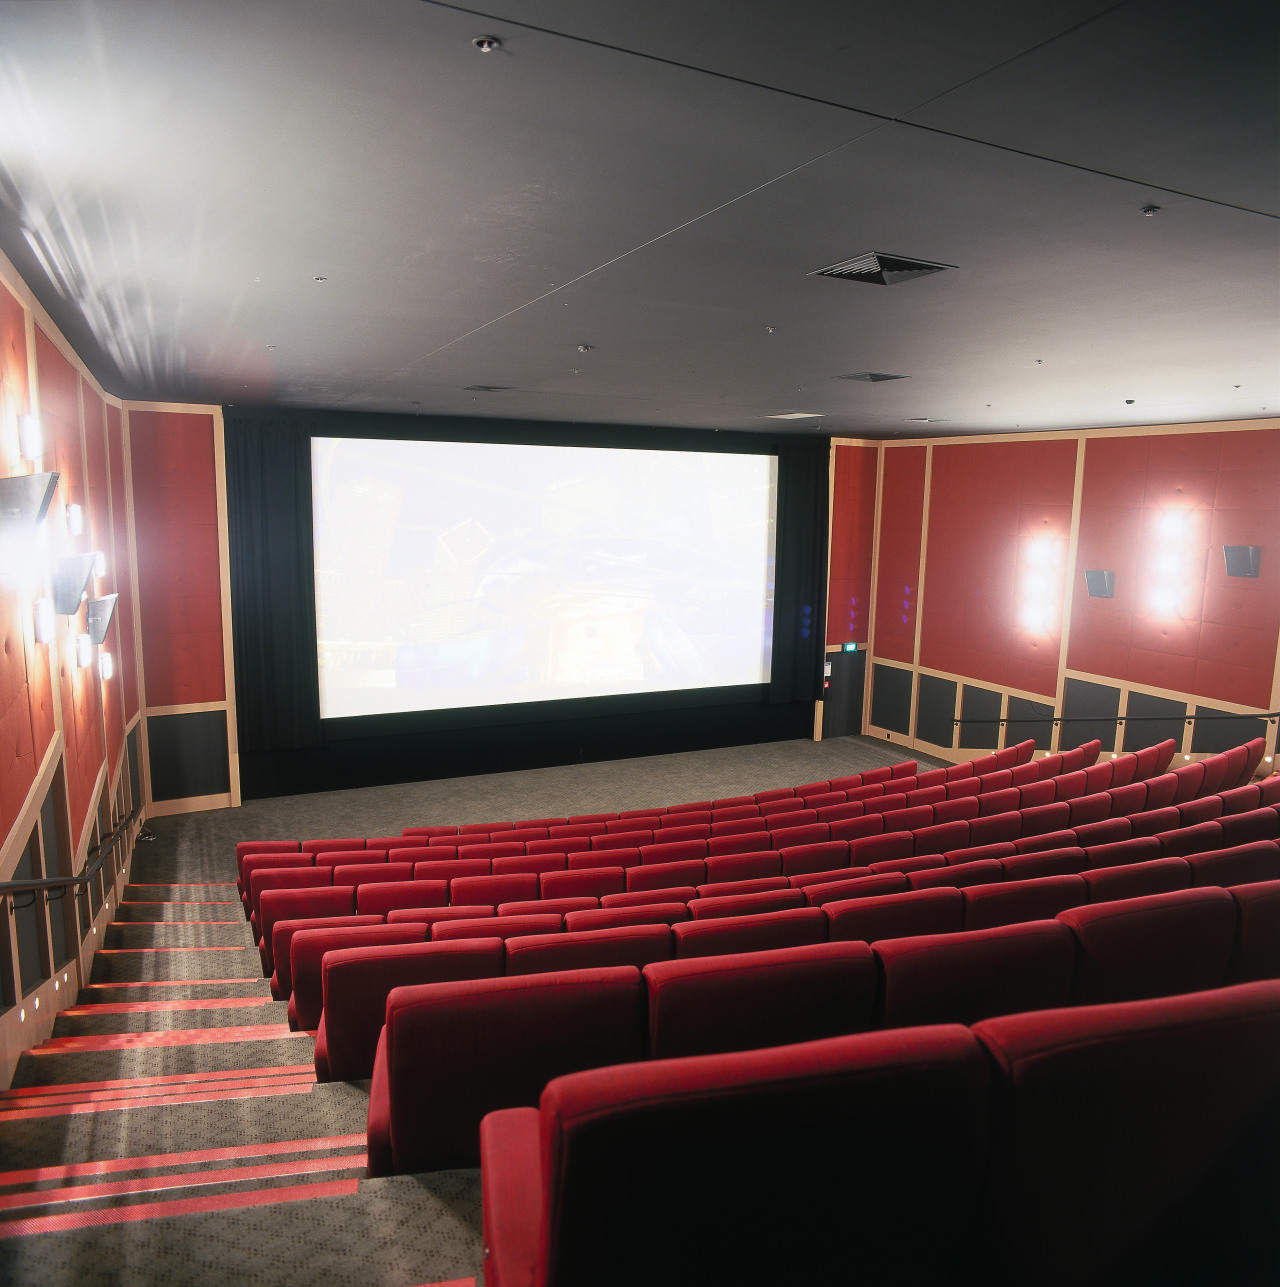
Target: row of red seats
1010 767
1122 1145
341 971
273 902
451 1051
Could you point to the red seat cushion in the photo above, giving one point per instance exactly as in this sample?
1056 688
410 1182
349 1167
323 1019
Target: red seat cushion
637 945
792 928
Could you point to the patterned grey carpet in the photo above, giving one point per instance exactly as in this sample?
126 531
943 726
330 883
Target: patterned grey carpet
189 939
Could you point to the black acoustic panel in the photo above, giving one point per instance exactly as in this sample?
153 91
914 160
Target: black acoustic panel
1152 719
936 710
1029 719
188 755
1088 710
1221 734
135 780
842 702
891 699
979 717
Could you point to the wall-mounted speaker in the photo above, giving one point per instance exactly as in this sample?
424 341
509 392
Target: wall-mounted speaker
1242 560
1101 584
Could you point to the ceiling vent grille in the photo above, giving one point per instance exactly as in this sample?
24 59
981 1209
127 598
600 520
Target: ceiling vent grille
872 377
881 269
488 388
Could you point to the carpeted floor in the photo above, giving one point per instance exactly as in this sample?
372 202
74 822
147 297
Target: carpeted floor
172 1131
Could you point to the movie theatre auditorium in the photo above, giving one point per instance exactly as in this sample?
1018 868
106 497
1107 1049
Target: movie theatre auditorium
987 991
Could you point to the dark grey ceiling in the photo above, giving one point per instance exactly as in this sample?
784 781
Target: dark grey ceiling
656 179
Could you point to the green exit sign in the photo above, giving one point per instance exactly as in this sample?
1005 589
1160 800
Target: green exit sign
851 647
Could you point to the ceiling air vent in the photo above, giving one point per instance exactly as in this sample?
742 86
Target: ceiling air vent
880 269
488 388
872 377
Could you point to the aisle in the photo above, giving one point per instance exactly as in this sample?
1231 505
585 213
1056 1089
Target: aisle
171 1130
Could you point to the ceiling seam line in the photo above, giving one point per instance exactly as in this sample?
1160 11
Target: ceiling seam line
608 263
862 111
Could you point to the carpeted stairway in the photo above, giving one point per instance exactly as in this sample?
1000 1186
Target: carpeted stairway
172 1130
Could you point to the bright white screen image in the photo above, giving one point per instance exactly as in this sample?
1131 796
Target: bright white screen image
475 574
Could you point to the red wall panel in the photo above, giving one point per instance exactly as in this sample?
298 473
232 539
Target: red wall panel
853 514
999 528
1157 511
123 624
897 579
79 688
179 585
13 369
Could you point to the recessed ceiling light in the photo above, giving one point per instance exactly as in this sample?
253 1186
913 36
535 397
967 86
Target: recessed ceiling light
925 420
487 44
319 279
488 388
798 415
872 377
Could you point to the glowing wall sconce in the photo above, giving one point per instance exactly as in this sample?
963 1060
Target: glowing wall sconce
106 665
1039 585
1101 584
30 439
75 520
45 621
25 499
99 564
70 580
1242 560
84 651
100 613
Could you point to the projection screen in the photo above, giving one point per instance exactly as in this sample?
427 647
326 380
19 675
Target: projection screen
456 574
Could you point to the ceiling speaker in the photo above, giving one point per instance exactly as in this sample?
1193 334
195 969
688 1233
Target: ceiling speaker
1102 584
1242 560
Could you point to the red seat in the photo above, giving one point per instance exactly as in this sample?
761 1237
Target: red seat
1133 1139
666 875
615 917
637 945
324 846
282 935
1190 840
652 1173
306 955
451 868
1047 862
1123 852
559 845
1012 902
548 906
641 897
494 889
451 1052
711 1005
871 886
976 974
593 860
775 900
795 927
673 851
383 898
970 873
1257 952
758 885
530 864
356 982
381 873
430 915
591 882
348 857
829 855
736 867
751 842
503 927
1239 865
1135 880
299 904
1257 824
623 840
1151 946
922 911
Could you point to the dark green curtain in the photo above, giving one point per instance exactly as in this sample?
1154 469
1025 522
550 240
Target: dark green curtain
273 609
800 585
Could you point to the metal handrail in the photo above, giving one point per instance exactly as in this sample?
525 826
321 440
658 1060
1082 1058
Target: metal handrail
1272 716
101 852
